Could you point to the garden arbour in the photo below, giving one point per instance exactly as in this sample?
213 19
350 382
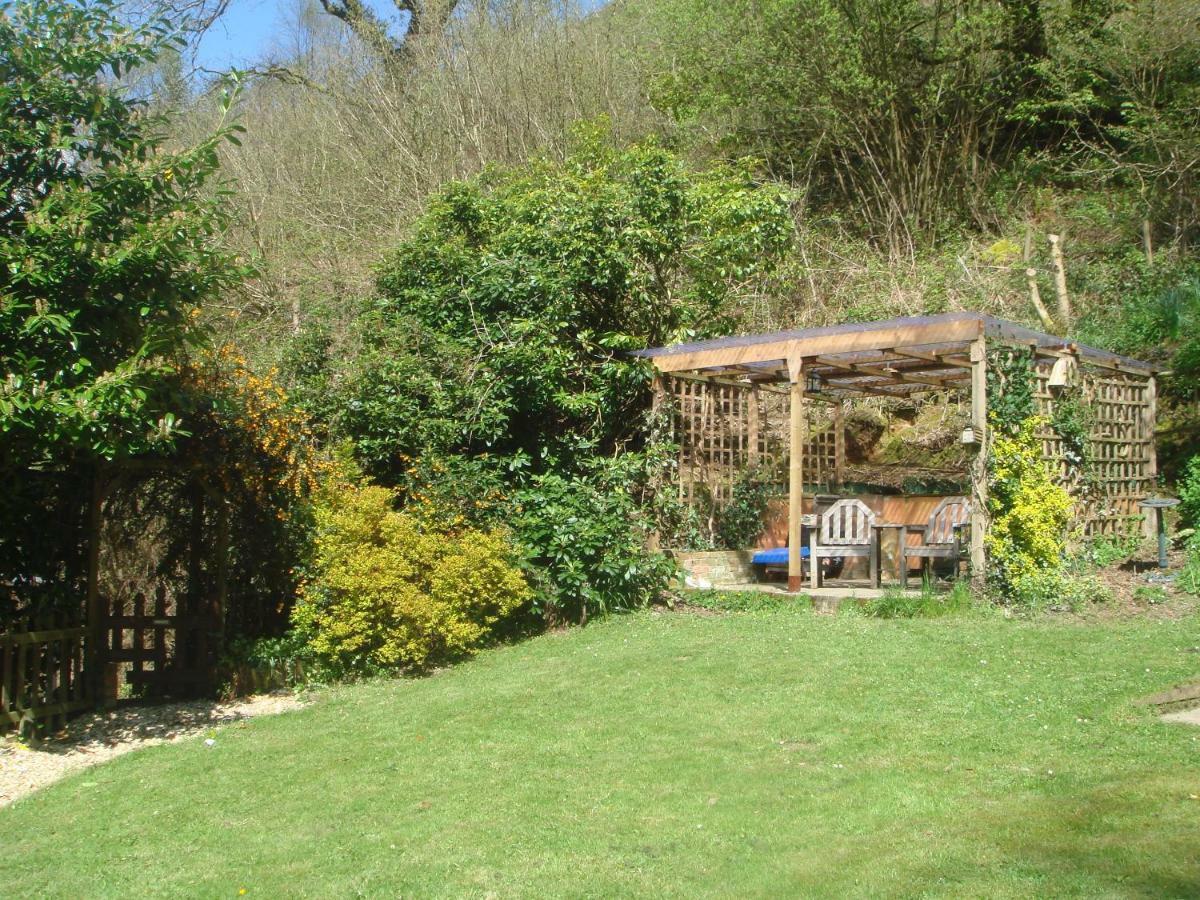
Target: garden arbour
715 392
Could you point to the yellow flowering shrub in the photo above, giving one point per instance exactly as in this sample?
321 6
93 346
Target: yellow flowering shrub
1027 536
384 593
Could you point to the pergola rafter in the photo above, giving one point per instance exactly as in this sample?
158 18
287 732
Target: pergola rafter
900 359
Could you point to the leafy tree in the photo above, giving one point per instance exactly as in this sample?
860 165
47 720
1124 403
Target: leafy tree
904 116
107 237
503 319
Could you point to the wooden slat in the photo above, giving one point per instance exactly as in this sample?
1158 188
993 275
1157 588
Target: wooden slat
40 637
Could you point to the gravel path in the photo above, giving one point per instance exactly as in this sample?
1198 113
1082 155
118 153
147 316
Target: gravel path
97 737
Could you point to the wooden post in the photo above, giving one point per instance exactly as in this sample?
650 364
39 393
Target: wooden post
1036 296
1060 282
839 445
979 487
658 401
1147 244
795 473
753 427
1149 423
94 611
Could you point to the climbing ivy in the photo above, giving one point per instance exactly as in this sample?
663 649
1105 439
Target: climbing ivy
1072 419
1010 388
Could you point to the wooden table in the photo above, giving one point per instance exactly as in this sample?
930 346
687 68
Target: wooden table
877 549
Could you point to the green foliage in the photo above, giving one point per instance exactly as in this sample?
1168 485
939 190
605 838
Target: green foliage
384 594
502 320
1056 588
585 540
899 110
746 601
1157 317
1189 494
927 604
900 116
1189 578
740 521
1029 514
1010 388
1105 550
489 379
1073 418
253 665
107 236
1151 594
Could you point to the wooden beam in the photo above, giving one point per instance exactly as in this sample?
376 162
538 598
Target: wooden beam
796 441
897 375
946 359
868 389
961 328
979 487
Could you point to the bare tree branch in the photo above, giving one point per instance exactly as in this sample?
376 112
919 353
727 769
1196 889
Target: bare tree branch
426 18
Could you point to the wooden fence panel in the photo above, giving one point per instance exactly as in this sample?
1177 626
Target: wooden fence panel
41 672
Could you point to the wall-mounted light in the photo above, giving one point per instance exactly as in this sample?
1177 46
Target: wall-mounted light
813 384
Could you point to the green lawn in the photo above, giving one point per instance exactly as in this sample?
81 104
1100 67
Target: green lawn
770 753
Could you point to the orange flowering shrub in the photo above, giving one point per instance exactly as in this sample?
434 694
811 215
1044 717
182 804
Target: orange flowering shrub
267 441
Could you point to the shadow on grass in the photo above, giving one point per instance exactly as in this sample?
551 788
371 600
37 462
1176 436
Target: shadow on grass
1122 837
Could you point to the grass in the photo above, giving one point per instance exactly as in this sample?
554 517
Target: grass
769 753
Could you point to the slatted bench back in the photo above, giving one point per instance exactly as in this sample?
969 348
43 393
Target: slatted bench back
847 522
946 516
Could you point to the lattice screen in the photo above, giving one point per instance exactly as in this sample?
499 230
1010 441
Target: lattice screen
724 430
1120 450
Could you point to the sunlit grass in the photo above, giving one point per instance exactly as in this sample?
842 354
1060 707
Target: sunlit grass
762 753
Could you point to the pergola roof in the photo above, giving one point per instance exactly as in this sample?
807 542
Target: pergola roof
892 358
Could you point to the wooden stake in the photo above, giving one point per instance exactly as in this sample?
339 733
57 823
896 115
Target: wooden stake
1147 245
1036 296
796 474
1060 282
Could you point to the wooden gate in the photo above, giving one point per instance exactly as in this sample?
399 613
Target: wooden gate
157 649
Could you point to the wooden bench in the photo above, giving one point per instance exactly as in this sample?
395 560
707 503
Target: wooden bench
944 537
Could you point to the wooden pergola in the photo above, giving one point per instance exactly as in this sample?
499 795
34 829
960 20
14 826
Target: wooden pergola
907 357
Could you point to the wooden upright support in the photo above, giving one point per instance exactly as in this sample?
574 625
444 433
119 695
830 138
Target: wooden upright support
839 445
979 485
796 472
1149 422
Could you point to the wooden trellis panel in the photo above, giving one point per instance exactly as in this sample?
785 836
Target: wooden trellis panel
724 430
1120 455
